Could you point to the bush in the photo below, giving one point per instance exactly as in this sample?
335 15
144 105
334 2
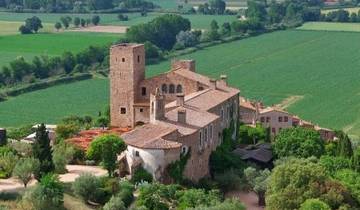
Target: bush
312 204
141 175
62 155
229 180
126 192
7 164
226 205
48 194
86 187
115 203
25 169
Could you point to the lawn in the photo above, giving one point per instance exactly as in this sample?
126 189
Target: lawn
319 66
326 26
51 44
198 21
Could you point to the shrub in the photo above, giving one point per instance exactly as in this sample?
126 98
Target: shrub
226 205
141 175
62 155
48 194
115 203
229 180
311 204
86 187
25 168
7 164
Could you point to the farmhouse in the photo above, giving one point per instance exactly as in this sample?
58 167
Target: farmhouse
276 119
173 114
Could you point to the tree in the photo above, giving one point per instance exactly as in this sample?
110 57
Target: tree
253 135
101 4
355 160
344 146
62 155
141 175
218 6
34 24
58 26
68 61
65 21
82 22
186 39
298 142
161 31
295 176
66 130
312 204
258 181
25 168
24 30
7 163
333 164
214 25
256 10
122 17
233 204
95 20
48 194
115 203
86 186
77 22
106 148
226 29
351 180
42 151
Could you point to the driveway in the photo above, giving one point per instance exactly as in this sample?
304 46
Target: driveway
249 199
74 171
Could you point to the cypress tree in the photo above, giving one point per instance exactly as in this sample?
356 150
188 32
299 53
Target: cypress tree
344 147
42 151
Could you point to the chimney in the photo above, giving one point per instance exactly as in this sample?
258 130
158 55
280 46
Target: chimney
182 116
223 78
213 84
180 99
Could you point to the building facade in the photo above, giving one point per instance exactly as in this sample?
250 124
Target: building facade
172 114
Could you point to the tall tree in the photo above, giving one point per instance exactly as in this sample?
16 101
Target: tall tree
344 147
42 151
258 181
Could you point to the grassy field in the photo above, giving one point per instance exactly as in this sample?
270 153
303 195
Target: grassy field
54 44
326 26
198 21
9 28
318 67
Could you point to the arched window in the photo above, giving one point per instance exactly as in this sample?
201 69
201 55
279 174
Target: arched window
164 88
171 88
178 89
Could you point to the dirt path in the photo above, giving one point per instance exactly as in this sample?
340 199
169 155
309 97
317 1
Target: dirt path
249 199
74 171
289 101
102 29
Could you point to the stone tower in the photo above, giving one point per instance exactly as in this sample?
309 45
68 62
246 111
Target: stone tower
157 106
127 70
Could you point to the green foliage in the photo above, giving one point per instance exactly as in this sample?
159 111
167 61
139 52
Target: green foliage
311 204
299 142
126 192
7 163
65 131
20 132
86 187
25 168
106 148
42 151
141 175
334 164
344 146
48 194
355 160
62 155
351 180
176 169
161 31
197 197
251 135
233 204
58 26
229 180
95 20
115 203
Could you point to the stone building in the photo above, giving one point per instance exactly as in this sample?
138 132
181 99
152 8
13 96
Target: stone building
174 113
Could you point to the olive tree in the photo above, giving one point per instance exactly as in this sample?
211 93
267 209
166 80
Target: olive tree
25 168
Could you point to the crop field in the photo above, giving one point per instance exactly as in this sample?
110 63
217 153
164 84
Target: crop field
8 28
326 26
197 21
350 10
54 44
319 68
52 104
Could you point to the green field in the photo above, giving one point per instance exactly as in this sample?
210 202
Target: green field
54 44
350 10
326 26
198 21
322 67
9 28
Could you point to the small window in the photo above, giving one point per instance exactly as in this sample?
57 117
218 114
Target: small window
123 59
143 91
138 58
137 154
200 88
179 89
210 131
206 134
267 119
164 88
280 119
171 88
141 110
262 119
222 115
122 110
273 130
286 119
